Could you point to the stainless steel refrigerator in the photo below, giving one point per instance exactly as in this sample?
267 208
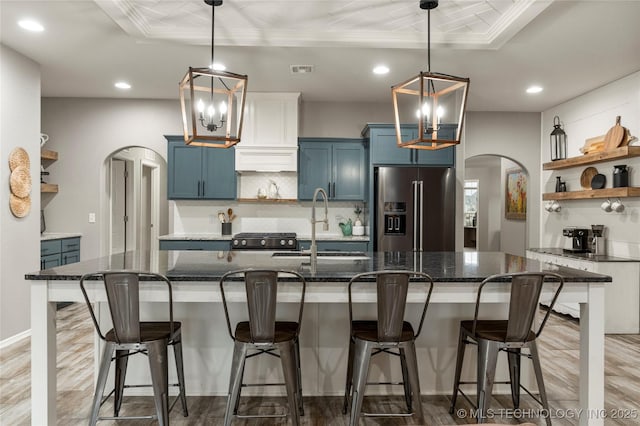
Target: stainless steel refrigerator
415 208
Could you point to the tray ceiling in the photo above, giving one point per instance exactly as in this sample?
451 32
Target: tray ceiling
485 24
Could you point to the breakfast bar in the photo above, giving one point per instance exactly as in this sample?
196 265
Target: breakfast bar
324 335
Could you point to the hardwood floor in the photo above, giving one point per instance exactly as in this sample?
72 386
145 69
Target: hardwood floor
559 348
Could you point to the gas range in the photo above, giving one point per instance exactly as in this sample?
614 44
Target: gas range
264 241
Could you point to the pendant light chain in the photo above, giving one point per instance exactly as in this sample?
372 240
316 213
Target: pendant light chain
215 122
430 86
213 26
429 40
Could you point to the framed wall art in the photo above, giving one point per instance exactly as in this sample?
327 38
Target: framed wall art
515 206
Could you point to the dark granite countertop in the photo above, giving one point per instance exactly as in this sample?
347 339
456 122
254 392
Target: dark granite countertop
211 265
581 256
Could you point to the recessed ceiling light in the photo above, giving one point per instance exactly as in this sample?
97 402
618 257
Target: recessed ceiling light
123 85
31 25
218 67
381 69
534 89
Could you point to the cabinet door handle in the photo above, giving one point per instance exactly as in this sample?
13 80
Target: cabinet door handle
334 189
198 188
329 189
203 188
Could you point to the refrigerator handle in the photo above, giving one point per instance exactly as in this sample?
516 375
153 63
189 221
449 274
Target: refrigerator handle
421 194
414 184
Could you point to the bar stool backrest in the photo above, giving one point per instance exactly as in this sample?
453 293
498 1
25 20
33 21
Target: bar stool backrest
123 294
525 297
261 286
262 292
392 299
526 289
392 288
123 297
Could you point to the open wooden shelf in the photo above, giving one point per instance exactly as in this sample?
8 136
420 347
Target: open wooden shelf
267 200
46 154
596 157
630 191
48 187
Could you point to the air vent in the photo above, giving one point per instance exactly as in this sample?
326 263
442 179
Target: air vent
301 69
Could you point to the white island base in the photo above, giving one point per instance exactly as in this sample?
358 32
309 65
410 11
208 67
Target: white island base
207 345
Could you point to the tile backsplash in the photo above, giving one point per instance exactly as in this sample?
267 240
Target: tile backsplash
249 183
192 217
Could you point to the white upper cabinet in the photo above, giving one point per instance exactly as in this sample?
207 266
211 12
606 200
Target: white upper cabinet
270 133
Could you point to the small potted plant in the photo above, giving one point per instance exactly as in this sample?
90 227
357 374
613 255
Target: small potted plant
358 228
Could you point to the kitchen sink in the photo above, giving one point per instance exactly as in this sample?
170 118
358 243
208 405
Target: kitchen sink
323 255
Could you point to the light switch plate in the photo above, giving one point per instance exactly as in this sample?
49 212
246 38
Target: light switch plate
92 218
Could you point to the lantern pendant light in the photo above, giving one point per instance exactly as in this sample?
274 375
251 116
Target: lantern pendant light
212 102
558 141
435 102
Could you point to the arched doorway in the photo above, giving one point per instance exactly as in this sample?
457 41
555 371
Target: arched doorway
495 230
134 200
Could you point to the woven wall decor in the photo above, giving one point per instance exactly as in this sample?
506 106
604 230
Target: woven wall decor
20 182
20 207
18 157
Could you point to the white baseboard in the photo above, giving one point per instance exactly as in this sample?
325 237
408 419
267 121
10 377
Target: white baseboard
14 339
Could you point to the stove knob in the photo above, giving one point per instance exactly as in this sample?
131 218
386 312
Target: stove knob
290 242
235 242
263 242
243 242
282 242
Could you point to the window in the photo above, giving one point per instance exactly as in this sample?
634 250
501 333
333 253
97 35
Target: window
470 202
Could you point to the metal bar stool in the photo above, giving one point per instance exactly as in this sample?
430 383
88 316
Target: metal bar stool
388 333
130 336
263 334
510 335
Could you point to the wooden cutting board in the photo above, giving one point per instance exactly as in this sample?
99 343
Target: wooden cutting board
614 136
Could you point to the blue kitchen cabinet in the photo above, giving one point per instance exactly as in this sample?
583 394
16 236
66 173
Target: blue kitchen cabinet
335 245
383 144
335 164
207 245
59 252
196 172
385 151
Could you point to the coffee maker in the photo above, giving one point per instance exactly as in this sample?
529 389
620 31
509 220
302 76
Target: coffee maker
598 246
579 239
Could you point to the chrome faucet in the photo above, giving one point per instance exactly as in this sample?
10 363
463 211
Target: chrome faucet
325 227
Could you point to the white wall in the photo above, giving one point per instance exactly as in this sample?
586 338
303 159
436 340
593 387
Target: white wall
587 116
137 159
489 206
101 126
512 231
341 119
85 132
515 136
19 238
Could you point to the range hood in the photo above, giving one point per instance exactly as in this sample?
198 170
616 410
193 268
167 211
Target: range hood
270 133
266 159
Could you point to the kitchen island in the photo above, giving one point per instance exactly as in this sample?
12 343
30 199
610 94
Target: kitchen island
324 334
